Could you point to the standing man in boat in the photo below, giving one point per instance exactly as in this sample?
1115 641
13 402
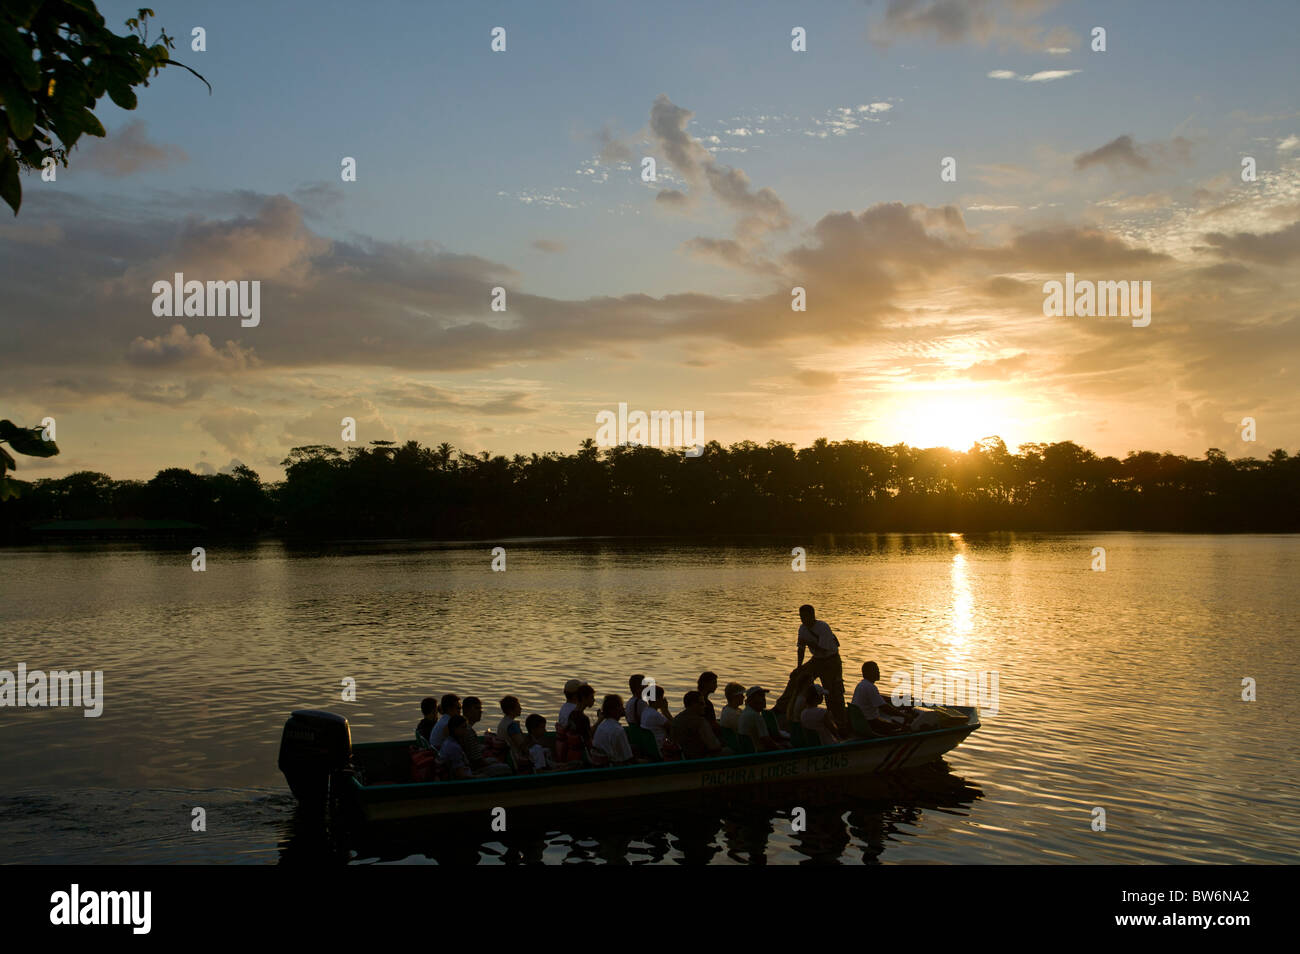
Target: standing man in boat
815 636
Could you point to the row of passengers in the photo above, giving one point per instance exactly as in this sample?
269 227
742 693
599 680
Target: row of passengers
694 732
453 737
743 713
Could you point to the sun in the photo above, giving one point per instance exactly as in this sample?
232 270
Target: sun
955 419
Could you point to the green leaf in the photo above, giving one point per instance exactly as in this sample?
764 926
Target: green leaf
19 109
17 55
90 124
120 93
27 440
11 189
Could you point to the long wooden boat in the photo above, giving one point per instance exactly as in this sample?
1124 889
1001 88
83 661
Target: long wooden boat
370 780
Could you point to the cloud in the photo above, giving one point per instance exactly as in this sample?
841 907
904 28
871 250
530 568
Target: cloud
1043 76
910 288
998 369
232 427
1269 248
178 348
1123 153
1289 143
612 149
431 397
980 22
203 467
127 151
550 246
761 211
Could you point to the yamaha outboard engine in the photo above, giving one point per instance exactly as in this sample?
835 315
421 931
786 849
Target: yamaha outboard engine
314 748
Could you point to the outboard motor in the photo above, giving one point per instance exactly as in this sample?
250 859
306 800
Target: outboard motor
314 747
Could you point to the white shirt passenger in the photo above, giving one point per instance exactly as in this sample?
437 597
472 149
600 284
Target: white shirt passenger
868 698
730 718
438 734
610 740
654 721
566 710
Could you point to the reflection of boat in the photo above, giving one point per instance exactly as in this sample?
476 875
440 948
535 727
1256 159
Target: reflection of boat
372 780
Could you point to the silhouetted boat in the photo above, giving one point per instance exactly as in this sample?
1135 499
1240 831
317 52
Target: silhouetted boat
371 781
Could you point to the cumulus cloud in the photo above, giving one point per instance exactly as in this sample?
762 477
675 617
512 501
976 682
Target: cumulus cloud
232 427
179 348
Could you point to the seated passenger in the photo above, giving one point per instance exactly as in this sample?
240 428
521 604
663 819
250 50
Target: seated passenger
540 753
816 719
452 751
705 685
730 717
509 729
656 718
580 723
873 705
692 732
429 711
481 762
609 744
635 701
752 724
572 689
449 707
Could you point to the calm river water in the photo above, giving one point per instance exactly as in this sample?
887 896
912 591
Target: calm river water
1119 690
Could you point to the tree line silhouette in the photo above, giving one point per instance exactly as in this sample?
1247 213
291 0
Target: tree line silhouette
386 490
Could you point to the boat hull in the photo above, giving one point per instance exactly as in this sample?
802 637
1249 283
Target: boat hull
797 767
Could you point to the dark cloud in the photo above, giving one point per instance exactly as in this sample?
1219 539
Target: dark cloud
1268 248
1123 153
1001 22
761 211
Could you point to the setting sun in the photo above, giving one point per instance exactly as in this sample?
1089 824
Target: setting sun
955 419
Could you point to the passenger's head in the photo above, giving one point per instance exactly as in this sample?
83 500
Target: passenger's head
634 683
456 727
708 682
814 695
735 693
510 706
450 704
611 707
756 698
870 671
807 614
535 725
472 709
586 696
571 689
657 696
428 706
693 701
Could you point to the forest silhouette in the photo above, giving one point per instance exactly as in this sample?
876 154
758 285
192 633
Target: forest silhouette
412 491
